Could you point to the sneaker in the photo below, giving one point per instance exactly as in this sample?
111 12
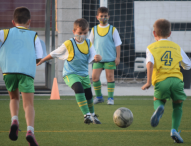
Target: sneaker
95 119
31 139
88 119
176 136
157 115
13 134
98 100
110 101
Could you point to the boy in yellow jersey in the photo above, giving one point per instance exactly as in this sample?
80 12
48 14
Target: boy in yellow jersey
107 43
19 53
163 59
77 53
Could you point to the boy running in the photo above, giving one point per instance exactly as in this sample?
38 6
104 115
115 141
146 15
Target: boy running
163 59
107 43
77 53
20 51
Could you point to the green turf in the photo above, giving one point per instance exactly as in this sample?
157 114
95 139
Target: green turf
60 123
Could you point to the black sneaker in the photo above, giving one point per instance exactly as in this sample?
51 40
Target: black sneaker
95 119
88 119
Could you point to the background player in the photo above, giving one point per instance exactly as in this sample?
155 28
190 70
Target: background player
19 52
107 43
163 58
78 52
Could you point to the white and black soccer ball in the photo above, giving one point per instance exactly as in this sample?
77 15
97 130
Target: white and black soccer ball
123 117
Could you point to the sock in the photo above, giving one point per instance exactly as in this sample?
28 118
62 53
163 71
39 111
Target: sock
91 105
30 128
87 114
82 103
14 118
110 88
176 115
157 103
97 88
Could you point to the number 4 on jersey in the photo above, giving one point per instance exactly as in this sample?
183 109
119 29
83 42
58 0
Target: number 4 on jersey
167 58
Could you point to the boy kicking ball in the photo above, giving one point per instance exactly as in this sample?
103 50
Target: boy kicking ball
163 59
77 53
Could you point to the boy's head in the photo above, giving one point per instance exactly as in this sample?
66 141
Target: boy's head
103 15
80 30
21 16
162 29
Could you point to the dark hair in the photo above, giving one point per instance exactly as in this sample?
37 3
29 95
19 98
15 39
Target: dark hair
21 15
162 27
102 10
82 23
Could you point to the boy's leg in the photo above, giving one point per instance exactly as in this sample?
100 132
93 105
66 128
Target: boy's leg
11 82
110 85
14 109
97 69
74 82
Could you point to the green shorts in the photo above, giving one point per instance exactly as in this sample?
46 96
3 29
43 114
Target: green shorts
105 65
73 78
23 82
170 88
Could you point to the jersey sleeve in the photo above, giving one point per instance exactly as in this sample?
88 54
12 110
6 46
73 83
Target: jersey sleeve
38 48
116 37
149 57
1 36
61 52
91 36
92 53
185 63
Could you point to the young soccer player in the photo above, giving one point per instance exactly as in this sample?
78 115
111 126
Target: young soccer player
107 43
163 58
77 53
20 51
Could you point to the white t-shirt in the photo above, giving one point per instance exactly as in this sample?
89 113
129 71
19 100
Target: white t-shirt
116 37
185 63
62 52
38 47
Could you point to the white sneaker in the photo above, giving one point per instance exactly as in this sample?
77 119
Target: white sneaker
95 119
98 100
88 119
110 101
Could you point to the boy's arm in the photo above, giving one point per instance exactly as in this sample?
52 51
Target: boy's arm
149 76
93 57
117 42
1 36
61 53
185 63
150 64
91 36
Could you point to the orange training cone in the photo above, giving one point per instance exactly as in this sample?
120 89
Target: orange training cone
55 92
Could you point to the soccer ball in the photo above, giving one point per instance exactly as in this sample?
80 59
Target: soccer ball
123 117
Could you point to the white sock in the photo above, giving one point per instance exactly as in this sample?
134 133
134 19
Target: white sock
87 114
14 118
30 128
93 114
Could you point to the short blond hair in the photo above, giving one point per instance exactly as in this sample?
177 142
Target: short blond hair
162 27
81 23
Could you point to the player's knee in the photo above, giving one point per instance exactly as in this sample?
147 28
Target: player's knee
178 101
110 77
78 88
88 93
95 78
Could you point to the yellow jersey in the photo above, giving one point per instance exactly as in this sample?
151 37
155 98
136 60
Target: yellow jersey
167 56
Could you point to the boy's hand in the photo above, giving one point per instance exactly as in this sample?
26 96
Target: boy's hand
40 62
146 86
117 61
97 58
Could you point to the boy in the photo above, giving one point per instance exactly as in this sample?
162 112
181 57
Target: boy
163 58
107 43
77 53
20 51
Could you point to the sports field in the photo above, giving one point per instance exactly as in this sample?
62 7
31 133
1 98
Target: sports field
60 123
